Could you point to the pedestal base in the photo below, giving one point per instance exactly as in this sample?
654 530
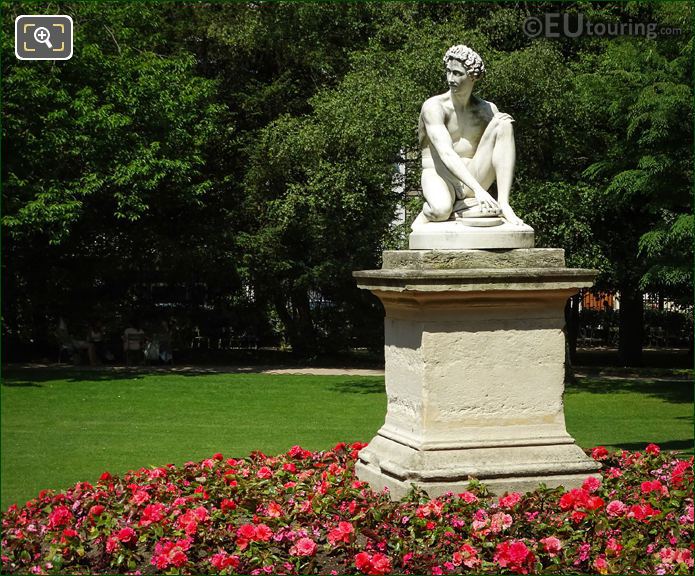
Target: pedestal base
389 464
474 350
456 235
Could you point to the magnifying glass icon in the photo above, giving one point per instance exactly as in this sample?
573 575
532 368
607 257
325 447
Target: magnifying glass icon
43 36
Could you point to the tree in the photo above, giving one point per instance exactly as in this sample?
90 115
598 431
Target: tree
107 179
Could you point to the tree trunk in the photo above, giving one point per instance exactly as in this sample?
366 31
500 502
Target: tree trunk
631 326
297 322
306 344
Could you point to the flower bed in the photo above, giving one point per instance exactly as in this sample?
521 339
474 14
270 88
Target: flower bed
305 512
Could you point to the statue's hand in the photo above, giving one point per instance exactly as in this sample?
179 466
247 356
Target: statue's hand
487 202
499 116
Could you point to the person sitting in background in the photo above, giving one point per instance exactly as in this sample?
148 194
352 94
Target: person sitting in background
95 341
165 350
69 344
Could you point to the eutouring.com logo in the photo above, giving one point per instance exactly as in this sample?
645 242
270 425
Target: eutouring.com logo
562 25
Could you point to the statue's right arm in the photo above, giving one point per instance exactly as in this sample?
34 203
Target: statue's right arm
432 116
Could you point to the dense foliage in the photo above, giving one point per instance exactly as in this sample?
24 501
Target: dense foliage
235 162
306 513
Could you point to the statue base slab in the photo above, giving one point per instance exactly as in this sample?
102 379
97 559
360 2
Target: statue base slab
455 235
475 352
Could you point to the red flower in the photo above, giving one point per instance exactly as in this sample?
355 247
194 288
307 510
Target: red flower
642 512
127 535
514 555
218 456
151 514
105 476
274 510
96 510
510 500
599 453
222 560
264 473
341 534
227 505
653 486
60 516
304 547
376 564
263 533
652 449
168 553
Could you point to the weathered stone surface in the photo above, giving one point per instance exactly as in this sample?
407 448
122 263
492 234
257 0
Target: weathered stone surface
471 259
474 373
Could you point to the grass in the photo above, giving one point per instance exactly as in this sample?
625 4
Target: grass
60 427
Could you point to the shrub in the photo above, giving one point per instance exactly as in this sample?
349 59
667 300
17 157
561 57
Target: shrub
305 512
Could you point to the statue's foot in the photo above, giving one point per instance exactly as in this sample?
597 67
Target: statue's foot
419 221
509 215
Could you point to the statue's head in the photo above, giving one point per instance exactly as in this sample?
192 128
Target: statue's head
470 60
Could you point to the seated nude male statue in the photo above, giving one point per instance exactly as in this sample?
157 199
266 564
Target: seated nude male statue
467 144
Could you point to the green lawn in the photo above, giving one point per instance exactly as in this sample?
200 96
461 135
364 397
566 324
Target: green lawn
59 427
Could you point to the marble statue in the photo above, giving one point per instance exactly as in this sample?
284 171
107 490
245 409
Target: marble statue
467 144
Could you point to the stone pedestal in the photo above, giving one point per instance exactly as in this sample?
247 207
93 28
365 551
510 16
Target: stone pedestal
475 354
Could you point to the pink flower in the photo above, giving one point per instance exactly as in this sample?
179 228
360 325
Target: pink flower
500 522
601 565
466 555
551 545
480 519
510 500
615 508
613 547
140 497
591 484
468 497
304 547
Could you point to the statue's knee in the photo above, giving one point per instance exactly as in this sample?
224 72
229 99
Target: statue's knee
437 213
504 124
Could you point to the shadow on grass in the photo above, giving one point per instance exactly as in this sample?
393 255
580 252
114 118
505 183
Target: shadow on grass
674 391
678 445
31 377
361 386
